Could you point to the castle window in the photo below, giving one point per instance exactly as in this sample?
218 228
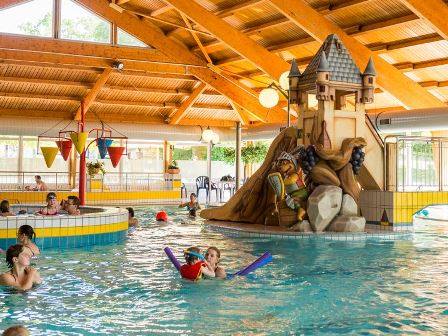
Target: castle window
326 76
370 80
321 88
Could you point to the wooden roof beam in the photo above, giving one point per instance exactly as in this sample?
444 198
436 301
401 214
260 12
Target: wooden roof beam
389 78
239 42
228 87
207 122
87 62
434 12
183 109
242 114
10 3
91 96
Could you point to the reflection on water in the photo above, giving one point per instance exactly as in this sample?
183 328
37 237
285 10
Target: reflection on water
311 287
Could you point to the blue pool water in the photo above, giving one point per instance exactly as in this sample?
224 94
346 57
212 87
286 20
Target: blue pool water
311 287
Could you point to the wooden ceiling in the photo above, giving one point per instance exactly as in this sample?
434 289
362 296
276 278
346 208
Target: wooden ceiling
209 58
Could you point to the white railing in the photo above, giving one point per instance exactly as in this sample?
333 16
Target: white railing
60 181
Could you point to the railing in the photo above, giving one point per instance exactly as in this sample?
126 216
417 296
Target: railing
416 163
59 181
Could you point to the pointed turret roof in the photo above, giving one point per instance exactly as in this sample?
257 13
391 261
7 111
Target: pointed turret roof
294 71
323 66
370 68
342 68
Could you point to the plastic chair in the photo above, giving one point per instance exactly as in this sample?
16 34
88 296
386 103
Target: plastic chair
202 182
229 187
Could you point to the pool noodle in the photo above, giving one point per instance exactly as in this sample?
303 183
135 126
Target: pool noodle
260 262
173 259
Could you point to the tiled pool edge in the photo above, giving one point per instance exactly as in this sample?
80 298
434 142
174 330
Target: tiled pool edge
344 236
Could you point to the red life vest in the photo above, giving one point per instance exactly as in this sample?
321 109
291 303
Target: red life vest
192 272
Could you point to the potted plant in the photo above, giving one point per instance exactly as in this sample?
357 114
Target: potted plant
94 168
173 168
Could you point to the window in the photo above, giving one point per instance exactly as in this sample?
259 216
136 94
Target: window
326 76
370 80
321 88
124 38
78 23
33 160
9 153
31 18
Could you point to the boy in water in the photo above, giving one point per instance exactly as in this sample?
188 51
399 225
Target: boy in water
196 265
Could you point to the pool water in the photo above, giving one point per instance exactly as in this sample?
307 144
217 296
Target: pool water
311 287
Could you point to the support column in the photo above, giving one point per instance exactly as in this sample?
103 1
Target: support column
209 170
20 179
82 161
72 169
238 155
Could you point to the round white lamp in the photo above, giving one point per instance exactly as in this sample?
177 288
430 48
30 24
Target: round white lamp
215 138
207 135
268 97
284 81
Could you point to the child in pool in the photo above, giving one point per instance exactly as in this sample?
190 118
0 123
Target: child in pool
71 205
25 236
52 207
21 275
195 266
5 210
192 206
132 221
17 330
213 256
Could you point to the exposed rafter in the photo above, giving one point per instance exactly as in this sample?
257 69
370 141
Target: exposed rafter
9 3
242 115
183 109
179 53
389 78
435 12
239 42
90 97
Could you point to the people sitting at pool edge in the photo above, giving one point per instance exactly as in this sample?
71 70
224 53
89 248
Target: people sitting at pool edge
52 207
25 237
5 210
71 205
17 330
132 221
40 185
213 255
192 206
21 274
162 216
196 265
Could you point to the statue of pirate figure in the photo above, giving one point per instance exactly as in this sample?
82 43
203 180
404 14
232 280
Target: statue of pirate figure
288 182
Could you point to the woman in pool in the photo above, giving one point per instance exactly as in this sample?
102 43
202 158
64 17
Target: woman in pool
52 207
213 256
192 206
21 275
5 210
25 236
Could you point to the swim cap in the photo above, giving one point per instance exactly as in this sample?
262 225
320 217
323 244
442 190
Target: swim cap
162 216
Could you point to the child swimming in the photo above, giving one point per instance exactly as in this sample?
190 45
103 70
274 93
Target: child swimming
196 266
25 236
192 206
132 221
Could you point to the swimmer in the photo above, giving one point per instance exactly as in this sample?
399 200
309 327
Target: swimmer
52 207
162 216
195 266
5 210
132 221
71 205
213 256
21 275
25 236
192 206
17 330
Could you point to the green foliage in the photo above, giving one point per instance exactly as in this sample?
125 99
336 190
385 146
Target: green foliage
224 154
254 153
173 165
94 168
422 149
182 154
42 27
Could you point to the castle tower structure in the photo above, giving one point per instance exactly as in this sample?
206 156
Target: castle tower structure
368 82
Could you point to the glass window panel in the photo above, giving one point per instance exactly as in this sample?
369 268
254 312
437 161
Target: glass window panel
77 23
31 18
129 40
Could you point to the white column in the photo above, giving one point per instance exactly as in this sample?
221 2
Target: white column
20 162
209 171
238 155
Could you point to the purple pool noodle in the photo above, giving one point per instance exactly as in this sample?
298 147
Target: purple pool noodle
173 259
261 261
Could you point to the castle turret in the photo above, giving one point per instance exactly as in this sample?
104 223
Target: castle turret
368 82
294 77
323 79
